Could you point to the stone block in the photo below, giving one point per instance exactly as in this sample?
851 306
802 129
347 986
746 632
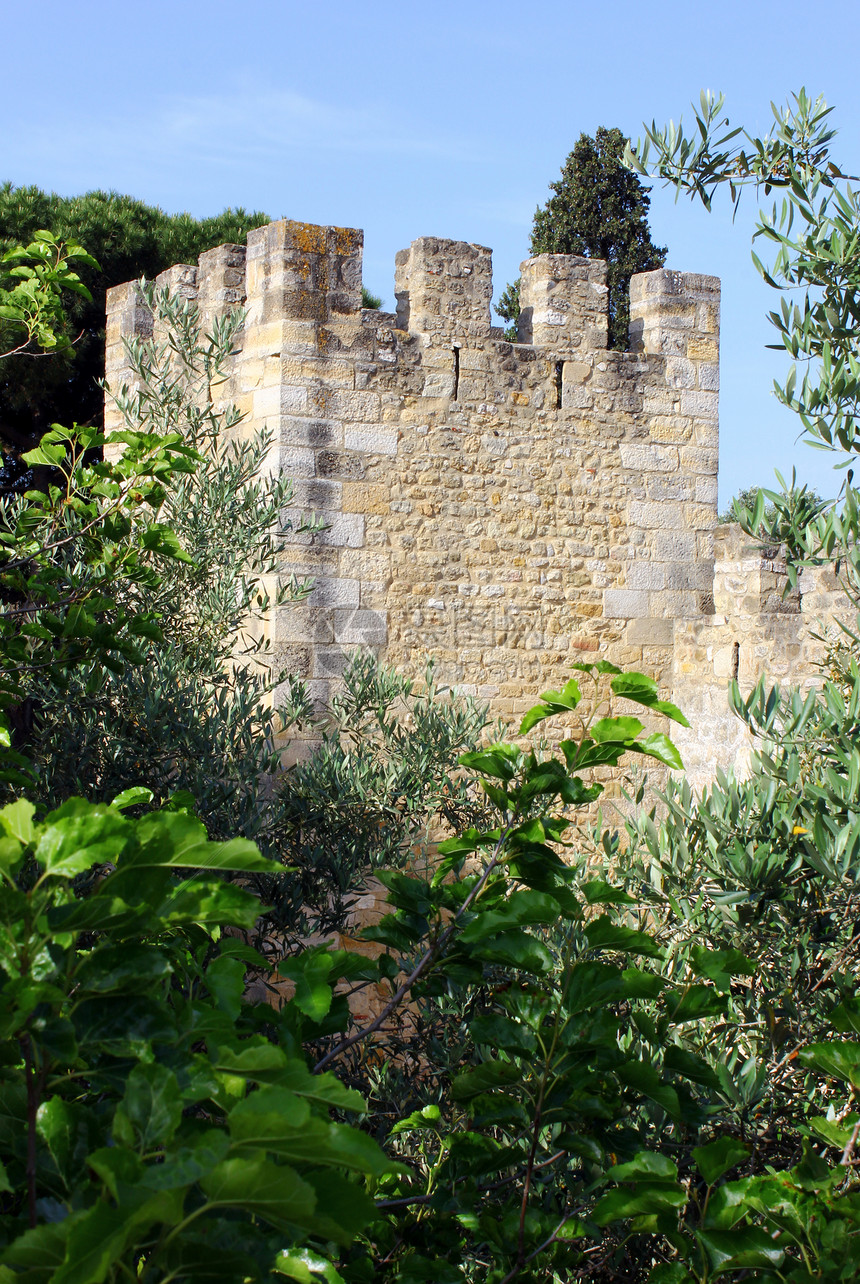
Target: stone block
371 439
625 604
361 627
317 433
335 592
648 458
366 497
665 515
317 494
676 546
700 405
345 465
650 631
646 575
297 461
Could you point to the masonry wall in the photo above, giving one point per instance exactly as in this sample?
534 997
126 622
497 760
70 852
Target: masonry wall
509 508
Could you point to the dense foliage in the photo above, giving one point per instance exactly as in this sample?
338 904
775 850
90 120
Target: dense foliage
599 210
591 1054
129 239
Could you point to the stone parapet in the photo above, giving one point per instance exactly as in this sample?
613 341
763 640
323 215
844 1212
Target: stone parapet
506 508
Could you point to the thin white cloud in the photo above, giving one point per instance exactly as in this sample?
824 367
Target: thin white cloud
246 123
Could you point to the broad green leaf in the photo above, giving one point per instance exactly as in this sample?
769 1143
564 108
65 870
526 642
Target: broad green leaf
225 980
695 1002
343 1207
306 1267
604 934
189 1163
841 1060
176 840
679 1061
660 747
264 1063
271 1191
743 1248
835 1134
517 949
598 892
426 1117
487 1075
312 974
648 1165
845 1017
121 967
643 690
521 909
492 762
716 1158
152 1104
37 1253
619 1205
721 965
133 797
268 1110
17 821
73 843
614 729
643 1078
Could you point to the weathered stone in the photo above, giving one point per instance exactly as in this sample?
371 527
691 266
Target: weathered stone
502 507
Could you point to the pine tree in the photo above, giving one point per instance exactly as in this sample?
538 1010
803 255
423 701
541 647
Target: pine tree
598 209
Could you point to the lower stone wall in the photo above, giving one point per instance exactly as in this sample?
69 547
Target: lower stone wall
757 631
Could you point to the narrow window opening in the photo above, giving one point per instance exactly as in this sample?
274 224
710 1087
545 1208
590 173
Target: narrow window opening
456 352
559 370
736 660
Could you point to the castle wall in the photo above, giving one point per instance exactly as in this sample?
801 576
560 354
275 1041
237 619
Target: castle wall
509 508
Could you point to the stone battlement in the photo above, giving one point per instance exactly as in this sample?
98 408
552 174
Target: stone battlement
505 507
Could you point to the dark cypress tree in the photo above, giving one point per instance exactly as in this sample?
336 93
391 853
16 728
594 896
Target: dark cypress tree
598 209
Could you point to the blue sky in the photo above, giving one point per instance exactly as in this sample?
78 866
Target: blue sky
407 120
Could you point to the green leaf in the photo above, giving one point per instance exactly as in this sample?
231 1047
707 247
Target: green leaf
426 1117
305 1267
613 729
521 909
643 690
646 1198
604 934
264 1063
271 1191
644 1079
840 1060
721 965
678 1061
660 747
495 761
17 821
225 980
38 1253
598 892
312 974
175 840
717 1158
72 843
152 1104
648 1166
133 797
517 949
743 1248
489 1074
